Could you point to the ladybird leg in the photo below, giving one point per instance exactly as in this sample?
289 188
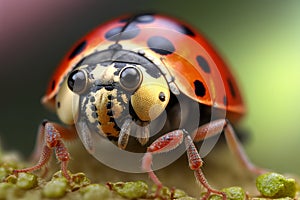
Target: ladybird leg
53 135
44 158
217 126
195 163
35 155
164 143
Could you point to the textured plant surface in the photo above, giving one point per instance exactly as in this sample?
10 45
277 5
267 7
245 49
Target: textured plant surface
101 182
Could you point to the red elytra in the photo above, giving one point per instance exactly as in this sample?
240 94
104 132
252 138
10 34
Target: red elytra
194 59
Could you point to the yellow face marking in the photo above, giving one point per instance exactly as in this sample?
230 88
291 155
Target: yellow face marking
104 74
124 98
146 100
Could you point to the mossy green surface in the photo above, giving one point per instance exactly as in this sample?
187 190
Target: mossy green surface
26 181
28 186
130 190
232 193
55 188
95 191
275 185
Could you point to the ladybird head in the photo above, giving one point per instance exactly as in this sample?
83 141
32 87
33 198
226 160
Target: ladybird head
110 93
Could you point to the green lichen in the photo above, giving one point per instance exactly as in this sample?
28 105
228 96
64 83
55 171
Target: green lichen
55 188
95 191
26 186
78 180
11 179
167 193
26 181
274 185
179 194
235 193
4 172
232 193
4 188
164 193
186 198
130 190
6 169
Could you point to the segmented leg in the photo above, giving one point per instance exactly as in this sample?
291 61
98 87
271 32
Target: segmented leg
216 127
165 143
168 142
195 163
52 135
173 139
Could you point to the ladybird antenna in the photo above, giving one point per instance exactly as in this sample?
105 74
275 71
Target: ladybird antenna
170 79
129 21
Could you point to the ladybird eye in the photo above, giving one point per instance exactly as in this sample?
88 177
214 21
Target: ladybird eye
77 81
130 78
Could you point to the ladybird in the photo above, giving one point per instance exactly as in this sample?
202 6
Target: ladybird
142 83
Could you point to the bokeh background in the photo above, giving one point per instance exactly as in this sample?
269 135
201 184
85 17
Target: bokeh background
259 39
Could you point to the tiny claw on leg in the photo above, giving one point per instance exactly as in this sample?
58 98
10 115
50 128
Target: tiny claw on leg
64 171
200 177
51 139
195 163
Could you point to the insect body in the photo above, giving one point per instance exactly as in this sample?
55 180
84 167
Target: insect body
132 75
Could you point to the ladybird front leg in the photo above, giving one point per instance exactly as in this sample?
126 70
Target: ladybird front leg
169 142
195 163
52 139
164 143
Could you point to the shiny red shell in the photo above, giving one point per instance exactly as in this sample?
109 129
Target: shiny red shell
188 55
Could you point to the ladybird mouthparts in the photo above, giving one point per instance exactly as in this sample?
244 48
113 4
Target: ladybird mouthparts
105 109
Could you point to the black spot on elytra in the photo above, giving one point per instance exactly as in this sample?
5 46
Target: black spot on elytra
144 18
231 88
199 88
185 30
203 64
122 33
78 49
140 18
160 45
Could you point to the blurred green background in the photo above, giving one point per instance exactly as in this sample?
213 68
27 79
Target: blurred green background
259 39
